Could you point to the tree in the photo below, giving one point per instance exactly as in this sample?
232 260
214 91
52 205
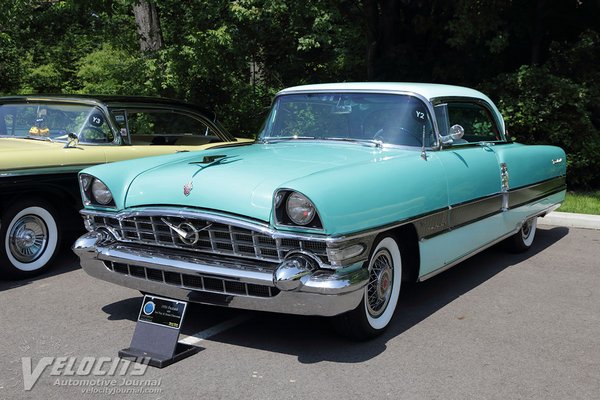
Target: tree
148 24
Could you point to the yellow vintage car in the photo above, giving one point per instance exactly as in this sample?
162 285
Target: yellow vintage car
46 140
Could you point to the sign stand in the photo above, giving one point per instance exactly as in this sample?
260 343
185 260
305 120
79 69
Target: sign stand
157 332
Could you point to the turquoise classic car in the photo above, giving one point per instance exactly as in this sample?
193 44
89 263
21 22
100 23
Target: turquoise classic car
351 191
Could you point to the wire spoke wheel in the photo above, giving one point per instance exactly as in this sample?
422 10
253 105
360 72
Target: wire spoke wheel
379 288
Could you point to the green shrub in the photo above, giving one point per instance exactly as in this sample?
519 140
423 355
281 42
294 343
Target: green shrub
542 108
10 65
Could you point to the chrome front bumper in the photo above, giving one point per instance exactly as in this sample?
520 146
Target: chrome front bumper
294 287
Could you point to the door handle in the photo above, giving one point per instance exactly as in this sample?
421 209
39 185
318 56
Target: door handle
557 161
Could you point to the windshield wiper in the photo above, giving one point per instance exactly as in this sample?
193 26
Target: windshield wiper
44 138
272 139
376 143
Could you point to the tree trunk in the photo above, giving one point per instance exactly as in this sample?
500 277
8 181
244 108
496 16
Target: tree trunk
146 18
371 12
537 35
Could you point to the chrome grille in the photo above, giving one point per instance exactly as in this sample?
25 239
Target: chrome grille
213 237
194 282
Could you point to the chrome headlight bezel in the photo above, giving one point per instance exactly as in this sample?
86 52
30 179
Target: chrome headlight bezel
94 192
289 205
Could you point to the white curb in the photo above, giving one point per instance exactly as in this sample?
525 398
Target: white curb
571 220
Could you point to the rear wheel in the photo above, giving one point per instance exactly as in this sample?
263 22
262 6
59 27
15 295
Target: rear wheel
523 239
30 239
380 297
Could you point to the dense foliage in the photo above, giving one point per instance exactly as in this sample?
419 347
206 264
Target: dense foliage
537 59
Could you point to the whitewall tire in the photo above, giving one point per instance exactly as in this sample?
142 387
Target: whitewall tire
30 239
376 310
523 239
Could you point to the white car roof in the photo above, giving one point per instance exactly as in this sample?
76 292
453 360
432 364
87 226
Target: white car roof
427 90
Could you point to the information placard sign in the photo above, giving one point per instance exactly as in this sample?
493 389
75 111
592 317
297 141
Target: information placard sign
161 311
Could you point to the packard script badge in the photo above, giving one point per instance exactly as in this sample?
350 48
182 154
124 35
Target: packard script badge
187 188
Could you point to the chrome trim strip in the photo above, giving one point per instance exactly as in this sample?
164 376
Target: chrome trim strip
485 246
527 194
239 270
46 170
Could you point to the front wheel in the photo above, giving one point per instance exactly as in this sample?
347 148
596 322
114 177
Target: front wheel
523 239
375 311
30 239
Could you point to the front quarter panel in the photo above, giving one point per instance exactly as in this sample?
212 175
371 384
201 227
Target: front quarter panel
394 187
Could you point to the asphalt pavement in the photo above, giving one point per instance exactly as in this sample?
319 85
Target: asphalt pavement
498 326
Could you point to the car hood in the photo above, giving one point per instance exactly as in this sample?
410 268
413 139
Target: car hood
8 145
244 180
32 155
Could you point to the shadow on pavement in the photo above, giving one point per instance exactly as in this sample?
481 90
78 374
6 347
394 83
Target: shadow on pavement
312 340
66 261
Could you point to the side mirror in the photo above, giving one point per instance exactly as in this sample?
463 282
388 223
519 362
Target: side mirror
456 132
73 140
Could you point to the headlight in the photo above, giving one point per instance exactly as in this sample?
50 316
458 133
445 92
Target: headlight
95 192
101 193
300 209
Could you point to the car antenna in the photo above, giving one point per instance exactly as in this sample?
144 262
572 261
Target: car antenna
423 152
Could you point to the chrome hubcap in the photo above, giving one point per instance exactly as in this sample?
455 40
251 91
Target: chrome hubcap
28 238
379 289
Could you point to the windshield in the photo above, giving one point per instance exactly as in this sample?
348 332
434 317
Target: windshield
391 119
54 122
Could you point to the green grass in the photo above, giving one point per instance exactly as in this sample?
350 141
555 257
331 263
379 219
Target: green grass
582 203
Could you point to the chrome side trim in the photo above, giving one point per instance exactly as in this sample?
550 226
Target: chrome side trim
45 170
487 245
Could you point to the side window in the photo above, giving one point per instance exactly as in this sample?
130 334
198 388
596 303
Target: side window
476 120
7 124
166 127
94 129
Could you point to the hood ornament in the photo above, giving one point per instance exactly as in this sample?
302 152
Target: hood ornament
188 233
187 188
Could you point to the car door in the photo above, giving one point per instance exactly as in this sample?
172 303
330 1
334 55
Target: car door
473 175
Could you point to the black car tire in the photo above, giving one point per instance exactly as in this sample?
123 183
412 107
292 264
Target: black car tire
376 310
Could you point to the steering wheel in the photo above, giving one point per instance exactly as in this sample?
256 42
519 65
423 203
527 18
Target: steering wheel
393 135
92 134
